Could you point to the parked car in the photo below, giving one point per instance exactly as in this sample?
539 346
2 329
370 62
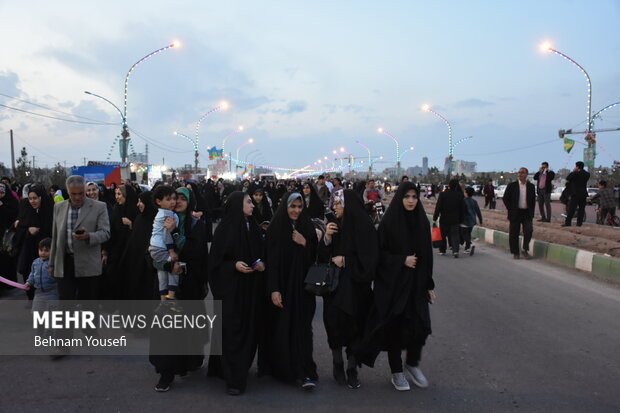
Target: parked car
556 193
591 193
499 191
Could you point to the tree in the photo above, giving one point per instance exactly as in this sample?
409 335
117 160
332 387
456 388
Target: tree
22 169
58 175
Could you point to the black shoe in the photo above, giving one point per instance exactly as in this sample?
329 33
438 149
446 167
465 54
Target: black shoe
526 254
542 220
163 384
471 251
339 373
233 391
352 380
516 256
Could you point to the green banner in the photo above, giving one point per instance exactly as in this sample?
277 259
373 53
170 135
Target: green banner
568 144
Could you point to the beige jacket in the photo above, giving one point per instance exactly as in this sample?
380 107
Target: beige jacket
93 217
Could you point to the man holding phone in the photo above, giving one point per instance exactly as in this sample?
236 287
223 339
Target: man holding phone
80 226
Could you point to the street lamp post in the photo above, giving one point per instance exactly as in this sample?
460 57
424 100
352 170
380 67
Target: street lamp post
222 106
590 137
124 142
386 133
194 143
125 131
427 108
369 157
249 141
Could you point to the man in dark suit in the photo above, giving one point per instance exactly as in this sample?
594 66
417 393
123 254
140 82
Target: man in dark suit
578 183
520 201
544 177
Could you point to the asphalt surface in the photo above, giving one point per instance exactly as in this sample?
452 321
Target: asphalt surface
508 336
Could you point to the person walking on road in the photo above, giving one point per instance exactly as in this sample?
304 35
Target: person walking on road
519 199
544 177
470 213
489 195
403 288
578 182
606 201
353 247
450 208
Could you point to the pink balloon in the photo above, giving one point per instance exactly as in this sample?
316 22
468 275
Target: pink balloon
14 284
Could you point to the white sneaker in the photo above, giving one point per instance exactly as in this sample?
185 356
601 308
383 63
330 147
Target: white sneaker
416 375
399 382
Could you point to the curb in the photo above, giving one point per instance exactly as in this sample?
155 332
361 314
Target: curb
600 265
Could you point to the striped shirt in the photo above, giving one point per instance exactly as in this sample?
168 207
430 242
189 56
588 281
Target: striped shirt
72 218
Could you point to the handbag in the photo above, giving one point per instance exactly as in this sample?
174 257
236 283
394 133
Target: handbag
322 278
9 243
436 236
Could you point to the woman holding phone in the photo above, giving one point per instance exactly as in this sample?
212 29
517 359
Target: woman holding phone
353 247
236 277
400 318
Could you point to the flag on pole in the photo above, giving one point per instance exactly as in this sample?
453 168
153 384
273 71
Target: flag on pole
568 144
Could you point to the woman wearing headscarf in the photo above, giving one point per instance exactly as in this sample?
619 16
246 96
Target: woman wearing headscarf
202 208
403 288
291 248
121 224
354 249
9 207
236 278
137 262
262 210
313 206
190 240
35 224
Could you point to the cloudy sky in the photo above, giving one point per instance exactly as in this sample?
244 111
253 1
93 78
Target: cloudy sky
306 77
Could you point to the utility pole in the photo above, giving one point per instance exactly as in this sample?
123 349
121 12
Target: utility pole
12 153
146 152
33 159
589 153
84 161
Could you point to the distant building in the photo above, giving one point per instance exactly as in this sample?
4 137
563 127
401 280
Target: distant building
460 166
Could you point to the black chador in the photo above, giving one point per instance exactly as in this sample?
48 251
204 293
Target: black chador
237 239
290 327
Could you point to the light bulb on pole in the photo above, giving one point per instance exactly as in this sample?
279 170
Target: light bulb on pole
427 108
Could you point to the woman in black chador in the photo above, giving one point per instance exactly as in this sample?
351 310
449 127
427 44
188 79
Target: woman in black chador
262 210
313 205
353 247
291 248
403 288
140 274
236 277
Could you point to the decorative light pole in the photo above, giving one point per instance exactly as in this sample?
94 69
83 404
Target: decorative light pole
427 108
590 136
386 133
369 157
125 132
234 132
222 106
194 145
249 141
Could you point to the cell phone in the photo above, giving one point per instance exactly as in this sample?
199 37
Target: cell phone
330 216
255 263
79 232
183 266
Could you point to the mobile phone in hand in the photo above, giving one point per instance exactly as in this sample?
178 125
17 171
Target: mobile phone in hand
330 216
80 231
255 263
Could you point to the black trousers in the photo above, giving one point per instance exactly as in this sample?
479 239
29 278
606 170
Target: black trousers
450 233
544 203
524 220
573 205
71 287
466 236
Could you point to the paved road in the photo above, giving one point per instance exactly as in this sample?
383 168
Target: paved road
509 336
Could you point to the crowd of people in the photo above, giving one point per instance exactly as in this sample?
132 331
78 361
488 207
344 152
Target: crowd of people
89 242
